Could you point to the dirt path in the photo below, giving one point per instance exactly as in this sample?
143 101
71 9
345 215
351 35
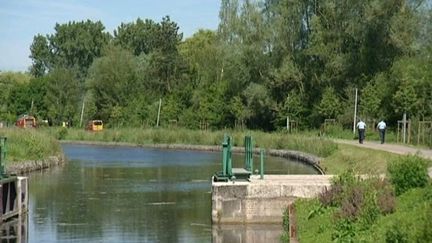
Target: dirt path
392 148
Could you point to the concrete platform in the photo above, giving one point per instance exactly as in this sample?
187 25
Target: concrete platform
262 200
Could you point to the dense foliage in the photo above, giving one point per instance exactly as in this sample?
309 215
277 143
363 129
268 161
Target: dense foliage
267 60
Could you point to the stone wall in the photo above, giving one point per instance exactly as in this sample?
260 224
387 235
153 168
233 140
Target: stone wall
24 167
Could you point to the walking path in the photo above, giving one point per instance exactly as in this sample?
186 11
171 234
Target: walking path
392 148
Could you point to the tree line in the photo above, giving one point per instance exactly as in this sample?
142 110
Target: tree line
268 60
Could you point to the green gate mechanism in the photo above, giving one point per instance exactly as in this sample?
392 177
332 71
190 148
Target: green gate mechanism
230 173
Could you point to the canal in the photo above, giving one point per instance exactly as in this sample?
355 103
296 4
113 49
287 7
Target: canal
130 194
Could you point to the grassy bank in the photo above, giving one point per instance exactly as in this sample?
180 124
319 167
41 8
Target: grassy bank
335 157
407 221
26 144
29 144
395 209
314 145
361 160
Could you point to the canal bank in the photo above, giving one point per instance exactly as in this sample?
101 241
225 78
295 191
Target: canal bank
24 167
302 157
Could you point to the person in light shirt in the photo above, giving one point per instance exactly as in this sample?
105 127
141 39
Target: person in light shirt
361 131
382 128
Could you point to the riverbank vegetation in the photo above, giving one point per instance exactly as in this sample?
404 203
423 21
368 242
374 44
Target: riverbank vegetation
335 157
397 209
267 60
317 146
29 144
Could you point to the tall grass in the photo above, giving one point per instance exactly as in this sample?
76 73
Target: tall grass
313 145
29 144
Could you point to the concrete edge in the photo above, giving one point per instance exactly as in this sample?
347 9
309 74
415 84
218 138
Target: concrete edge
23 167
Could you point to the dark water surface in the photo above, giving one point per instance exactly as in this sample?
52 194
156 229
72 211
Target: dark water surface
130 194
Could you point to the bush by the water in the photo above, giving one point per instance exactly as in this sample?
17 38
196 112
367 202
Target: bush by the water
408 172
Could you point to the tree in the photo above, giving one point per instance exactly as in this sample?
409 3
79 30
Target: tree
40 55
113 83
139 37
63 95
285 79
371 100
239 111
330 105
260 105
204 57
14 88
293 107
73 45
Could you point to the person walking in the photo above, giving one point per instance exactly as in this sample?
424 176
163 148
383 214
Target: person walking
361 131
382 129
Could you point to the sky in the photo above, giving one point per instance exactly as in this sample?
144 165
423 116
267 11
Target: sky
21 20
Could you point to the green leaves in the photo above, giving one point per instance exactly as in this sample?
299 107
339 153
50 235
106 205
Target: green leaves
267 60
330 106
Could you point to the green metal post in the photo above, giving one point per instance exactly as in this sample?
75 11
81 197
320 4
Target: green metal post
229 157
262 164
225 156
248 153
251 154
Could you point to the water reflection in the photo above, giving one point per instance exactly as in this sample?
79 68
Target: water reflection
112 194
15 230
244 233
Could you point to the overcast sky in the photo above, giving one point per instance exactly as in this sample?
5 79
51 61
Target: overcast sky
21 20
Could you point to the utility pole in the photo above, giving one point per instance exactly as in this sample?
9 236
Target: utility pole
355 111
82 112
404 127
160 103
288 125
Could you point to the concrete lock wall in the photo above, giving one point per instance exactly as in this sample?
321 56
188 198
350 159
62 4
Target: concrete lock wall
262 201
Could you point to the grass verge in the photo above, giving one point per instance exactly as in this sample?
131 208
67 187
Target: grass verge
28 144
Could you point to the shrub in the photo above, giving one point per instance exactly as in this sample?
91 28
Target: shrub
344 231
387 202
352 203
369 210
61 133
395 234
428 193
408 172
330 197
426 231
